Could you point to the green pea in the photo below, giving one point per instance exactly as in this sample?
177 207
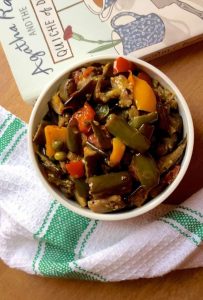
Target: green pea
60 155
57 145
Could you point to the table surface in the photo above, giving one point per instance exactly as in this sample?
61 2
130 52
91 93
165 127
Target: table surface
185 68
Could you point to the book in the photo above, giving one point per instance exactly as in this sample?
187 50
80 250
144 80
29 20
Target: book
42 37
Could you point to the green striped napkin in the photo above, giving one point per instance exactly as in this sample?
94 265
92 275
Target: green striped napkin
40 236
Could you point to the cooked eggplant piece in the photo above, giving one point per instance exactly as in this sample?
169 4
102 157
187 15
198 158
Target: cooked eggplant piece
138 197
106 205
167 145
102 136
175 124
57 104
163 114
166 180
107 70
103 95
110 184
81 192
66 185
49 165
169 160
92 160
102 111
147 130
39 137
95 148
78 98
121 83
67 88
51 116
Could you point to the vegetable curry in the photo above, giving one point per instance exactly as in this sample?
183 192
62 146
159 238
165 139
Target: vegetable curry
112 138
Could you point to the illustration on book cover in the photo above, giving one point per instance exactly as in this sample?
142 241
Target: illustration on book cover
128 31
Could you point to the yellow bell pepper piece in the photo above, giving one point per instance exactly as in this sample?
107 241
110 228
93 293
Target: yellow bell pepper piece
144 96
117 152
53 133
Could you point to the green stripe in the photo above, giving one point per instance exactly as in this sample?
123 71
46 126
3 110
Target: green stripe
87 238
197 213
36 257
53 204
61 240
90 275
9 116
179 231
9 133
13 147
187 221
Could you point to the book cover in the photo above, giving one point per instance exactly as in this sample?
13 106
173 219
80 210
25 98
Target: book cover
41 37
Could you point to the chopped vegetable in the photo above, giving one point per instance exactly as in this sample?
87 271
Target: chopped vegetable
39 137
84 116
57 104
75 169
49 165
144 96
110 184
117 152
74 140
79 97
166 145
147 130
67 88
144 169
53 133
106 205
91 159
60 156
138 197
57 145
102 136
88 71
94 147
144 76
121 65
167 161
65 185
102 111
136 122
81 192
129 136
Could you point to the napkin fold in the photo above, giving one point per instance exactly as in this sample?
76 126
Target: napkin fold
40 236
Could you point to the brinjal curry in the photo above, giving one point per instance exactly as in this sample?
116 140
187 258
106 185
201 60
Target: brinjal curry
112 138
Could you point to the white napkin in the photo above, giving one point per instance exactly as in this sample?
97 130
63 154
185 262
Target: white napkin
40 236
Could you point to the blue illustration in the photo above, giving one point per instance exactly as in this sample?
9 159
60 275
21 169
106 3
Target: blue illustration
108 3
143 31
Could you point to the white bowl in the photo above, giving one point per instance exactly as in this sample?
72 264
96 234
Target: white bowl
41 108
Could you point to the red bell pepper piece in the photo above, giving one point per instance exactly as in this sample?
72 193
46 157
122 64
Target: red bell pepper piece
88 71
75 168
83 116
123 65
